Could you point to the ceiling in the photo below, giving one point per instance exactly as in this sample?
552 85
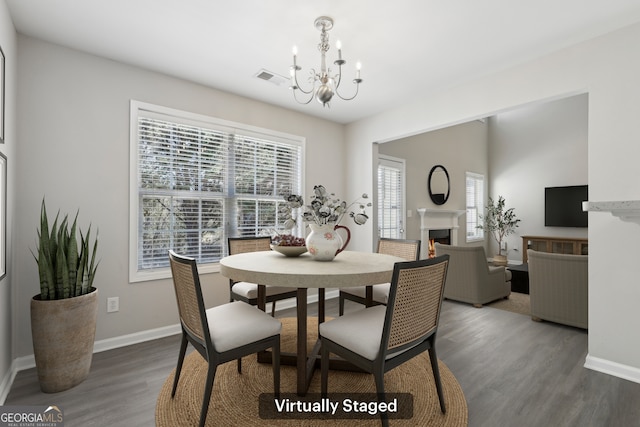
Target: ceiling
408 48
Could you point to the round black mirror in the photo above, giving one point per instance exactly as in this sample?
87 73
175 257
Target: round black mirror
439 186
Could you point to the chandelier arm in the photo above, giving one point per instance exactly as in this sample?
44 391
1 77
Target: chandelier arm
357 83
338 77
297 85
302 102
354 95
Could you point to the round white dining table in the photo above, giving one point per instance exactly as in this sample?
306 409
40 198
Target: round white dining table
347 269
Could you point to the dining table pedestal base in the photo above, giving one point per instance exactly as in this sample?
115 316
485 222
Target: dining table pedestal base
306 362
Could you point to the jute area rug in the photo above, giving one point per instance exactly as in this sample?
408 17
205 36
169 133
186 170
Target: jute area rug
516 303
234 401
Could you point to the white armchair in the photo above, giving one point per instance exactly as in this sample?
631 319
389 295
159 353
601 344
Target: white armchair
470 278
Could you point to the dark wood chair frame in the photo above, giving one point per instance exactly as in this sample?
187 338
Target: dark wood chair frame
254 301
205 346
355 298
381 364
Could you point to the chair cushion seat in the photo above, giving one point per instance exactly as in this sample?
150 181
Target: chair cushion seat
250 290
380 292
237 323
360 331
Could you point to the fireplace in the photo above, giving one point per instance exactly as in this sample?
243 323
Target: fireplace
442 236
438 219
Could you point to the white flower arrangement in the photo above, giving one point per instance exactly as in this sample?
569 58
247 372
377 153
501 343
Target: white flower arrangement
325 208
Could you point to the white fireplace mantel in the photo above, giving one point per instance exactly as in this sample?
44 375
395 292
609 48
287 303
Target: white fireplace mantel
437 219
626 210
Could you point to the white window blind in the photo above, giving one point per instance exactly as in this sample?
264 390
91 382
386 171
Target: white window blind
475 205
199 182
390 198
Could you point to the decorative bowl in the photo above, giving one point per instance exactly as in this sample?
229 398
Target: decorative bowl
290 251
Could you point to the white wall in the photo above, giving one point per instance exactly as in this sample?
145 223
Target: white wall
8 42
460 149
533 147
606 68
73 124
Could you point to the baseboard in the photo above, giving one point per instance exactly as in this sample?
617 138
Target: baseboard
7 381
135 338
28 362
615 369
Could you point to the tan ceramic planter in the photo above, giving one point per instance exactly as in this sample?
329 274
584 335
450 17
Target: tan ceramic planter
500 259
63 333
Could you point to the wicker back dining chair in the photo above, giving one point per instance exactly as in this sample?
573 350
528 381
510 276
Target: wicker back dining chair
390 336
222 333
403 248
246 291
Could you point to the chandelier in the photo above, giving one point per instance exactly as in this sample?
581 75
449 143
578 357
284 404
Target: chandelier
324 85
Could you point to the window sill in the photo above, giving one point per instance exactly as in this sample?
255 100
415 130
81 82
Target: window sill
165 273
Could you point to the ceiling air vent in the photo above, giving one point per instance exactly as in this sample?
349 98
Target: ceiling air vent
272 77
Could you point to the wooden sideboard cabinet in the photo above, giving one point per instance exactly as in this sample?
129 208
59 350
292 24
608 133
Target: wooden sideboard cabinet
558 245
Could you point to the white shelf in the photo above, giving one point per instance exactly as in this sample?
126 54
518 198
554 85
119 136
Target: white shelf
626 210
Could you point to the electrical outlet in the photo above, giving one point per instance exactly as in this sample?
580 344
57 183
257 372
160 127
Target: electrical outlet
113 304
504 246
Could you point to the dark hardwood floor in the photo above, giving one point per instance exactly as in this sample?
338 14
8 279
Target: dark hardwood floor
514 372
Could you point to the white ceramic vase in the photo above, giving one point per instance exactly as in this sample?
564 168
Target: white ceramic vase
324 242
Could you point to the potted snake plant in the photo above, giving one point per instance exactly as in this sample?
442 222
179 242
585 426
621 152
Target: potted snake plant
64 313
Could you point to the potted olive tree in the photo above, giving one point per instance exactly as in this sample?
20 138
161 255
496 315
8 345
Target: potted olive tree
63 314
499 222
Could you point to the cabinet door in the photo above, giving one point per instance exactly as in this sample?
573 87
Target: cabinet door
583 248
538 245
561 247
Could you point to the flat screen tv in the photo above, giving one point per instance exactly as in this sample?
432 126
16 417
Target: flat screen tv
563 206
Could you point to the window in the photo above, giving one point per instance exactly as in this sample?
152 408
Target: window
198 180
475 205
391 197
